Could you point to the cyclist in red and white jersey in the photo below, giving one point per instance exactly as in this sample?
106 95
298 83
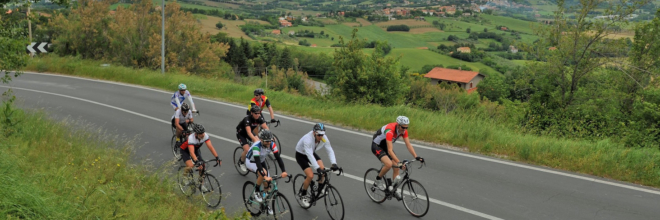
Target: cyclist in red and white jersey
190 150
382 147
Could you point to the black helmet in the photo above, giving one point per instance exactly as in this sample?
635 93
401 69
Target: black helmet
255 109
185 107
265 135
259 91
199 129
319 127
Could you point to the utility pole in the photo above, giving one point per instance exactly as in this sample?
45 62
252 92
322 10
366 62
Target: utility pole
29 23
162 46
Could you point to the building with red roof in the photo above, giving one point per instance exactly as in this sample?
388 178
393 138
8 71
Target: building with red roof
467 80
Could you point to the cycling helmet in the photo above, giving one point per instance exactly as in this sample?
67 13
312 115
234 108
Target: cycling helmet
402 120
182 86
197 128
259 91
265 135
255 109
319 128
185 107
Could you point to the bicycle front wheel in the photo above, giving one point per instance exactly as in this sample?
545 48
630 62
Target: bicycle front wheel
186 181
252 206
297 186
415 198
281 207
237 157
375 194
211 191
333 203
175 148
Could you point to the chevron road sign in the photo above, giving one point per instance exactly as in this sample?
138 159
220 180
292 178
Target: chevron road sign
35 47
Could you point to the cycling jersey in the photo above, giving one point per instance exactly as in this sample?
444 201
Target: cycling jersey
182 118
177 99
193 141
306 145
260 152
248 121
261 104
388 132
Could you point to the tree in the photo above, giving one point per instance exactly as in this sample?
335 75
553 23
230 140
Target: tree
219 25
467 30
361 78
485 30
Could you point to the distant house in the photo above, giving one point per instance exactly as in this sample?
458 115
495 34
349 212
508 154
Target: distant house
277 32
552 48
465 79
504 28
463 49
313 45
513 49
292 33
285 23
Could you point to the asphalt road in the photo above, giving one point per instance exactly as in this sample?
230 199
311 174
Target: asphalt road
461 185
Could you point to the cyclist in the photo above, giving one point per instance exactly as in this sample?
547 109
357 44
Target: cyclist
262 101
305 154
256 163
382 147
181 96
181 118
245 130
190 150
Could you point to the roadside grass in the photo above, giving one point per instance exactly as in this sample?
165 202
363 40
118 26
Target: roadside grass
476 131
71 170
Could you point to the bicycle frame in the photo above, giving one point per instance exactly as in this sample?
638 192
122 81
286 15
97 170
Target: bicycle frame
274 190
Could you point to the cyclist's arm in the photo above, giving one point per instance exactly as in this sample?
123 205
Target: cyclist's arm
390 151
331 152
210 146
176 123
190 120
309 152
176 99
280 162
249 132
272 115
191 149
191 101
410 147
260 168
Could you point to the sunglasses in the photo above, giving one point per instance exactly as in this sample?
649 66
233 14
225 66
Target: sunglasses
256 113
319 135
182 90
404 128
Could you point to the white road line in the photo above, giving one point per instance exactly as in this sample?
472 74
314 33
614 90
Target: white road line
449 205
415 145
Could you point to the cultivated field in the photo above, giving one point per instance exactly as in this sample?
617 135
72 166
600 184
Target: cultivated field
409 22
231 26
363 21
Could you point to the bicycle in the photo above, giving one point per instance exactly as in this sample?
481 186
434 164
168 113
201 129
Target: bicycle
279 203
238 151
411 190
200 178
329 193
184 134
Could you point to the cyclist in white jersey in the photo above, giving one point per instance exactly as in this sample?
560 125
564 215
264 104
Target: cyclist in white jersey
180 96
306 153
181 118
255 162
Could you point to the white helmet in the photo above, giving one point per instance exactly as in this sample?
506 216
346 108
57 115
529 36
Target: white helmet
402 120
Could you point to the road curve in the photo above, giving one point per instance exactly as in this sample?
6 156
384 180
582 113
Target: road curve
460 185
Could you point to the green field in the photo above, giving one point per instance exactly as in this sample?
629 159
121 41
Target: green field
416 58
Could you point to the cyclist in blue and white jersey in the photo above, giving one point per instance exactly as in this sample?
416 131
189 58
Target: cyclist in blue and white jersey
180 96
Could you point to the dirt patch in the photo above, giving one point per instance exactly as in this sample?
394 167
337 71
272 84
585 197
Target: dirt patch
423 30
363 22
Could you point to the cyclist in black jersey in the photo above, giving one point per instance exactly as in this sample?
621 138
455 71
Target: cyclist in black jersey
244 131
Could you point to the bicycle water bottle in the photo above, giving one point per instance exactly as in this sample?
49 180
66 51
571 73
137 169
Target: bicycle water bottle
389 183
397 180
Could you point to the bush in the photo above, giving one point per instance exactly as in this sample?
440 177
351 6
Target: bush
402 27
219 25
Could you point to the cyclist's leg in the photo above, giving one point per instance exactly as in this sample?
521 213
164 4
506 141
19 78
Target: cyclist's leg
185 156
244 143
318 160
303 162
383 157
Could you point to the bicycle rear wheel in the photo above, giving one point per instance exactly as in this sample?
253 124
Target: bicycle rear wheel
415 198
298 182
175 148
252 206
374 193
281 207
237 157
333 203
212 193
186 181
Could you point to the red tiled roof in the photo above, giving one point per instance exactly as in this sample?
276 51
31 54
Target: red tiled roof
451 75
276 32
471 90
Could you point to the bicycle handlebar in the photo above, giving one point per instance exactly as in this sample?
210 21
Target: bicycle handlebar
280 177
326 170
406 162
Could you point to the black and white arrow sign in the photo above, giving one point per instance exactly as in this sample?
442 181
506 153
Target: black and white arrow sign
39 47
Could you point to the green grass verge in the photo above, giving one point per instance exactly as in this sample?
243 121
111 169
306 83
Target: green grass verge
474 132
69 170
